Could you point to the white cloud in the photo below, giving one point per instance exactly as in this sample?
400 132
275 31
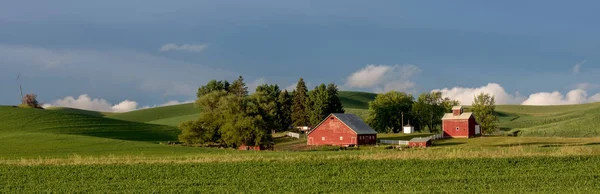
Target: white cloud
595 98
586 86
257 82
466 95
86 102
184 47
577 66
577 96
383 78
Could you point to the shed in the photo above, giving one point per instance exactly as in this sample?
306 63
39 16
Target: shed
408 129
460 124
343 130
419 142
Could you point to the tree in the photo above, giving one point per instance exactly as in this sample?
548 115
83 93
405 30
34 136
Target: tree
269 107
193 132
318 104
211 86
484 107
243 122
385 111
430 108
334 104
299 109
285 109
30 100
238 87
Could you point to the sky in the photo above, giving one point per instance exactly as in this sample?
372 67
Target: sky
119 56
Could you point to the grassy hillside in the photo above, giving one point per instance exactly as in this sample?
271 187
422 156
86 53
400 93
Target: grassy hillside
153 114
564 121
356 100
25 131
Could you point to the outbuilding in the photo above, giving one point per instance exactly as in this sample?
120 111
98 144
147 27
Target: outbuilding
408 129
420 142
342 130
460 124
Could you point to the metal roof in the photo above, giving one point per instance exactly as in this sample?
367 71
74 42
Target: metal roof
449 116
420 139
456 107
353 122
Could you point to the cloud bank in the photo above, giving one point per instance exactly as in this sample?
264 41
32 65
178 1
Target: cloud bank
383 78
86 102
577 67
466 95
184 47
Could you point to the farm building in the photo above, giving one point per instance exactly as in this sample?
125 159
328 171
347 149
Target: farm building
459 124
408 129
343 130
420 142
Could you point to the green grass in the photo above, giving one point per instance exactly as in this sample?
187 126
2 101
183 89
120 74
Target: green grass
481 175
159 113
356 100
551 121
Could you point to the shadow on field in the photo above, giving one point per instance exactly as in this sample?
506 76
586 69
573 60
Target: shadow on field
541 144
447 143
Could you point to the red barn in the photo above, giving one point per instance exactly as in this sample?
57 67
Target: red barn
419 142
459 124
343 130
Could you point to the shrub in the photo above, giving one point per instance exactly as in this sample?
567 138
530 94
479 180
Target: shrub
30 100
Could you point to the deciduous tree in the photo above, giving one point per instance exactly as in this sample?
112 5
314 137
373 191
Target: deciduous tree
484 107
385 111
318 106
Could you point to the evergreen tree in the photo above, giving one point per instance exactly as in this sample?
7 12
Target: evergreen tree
211 86
318 108
334 102
285 109
299 109
238 87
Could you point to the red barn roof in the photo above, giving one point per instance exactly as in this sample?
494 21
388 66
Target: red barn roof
353 122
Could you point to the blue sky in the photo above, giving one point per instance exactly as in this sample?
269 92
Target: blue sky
154 52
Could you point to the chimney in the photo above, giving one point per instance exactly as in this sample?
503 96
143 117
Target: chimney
457 110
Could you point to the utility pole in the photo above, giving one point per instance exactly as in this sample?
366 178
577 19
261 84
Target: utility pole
20 87
402 113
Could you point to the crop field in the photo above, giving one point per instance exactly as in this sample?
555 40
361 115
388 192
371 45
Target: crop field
508 175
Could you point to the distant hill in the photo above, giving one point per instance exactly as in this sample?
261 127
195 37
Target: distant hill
564 121
581 120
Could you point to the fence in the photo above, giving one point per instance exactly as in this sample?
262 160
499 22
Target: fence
393 142
292 134
437 136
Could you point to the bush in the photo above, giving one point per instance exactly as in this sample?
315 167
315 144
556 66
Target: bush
30 100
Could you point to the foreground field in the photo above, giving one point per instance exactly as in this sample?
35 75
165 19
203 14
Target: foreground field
506 175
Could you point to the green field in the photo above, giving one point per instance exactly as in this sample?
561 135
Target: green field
71 150
506 175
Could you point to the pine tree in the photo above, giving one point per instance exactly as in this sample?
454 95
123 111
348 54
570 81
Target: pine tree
285 109
334 102
238 87
319 104
299 109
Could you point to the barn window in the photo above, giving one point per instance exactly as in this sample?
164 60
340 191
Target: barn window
457 129
341 138
322 138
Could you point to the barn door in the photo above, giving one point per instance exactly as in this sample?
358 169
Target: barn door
311 141
477 130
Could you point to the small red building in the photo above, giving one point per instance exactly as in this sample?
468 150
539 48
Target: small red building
419 142
343 130
459 124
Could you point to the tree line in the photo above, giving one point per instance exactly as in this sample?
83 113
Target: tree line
390 111
231 117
